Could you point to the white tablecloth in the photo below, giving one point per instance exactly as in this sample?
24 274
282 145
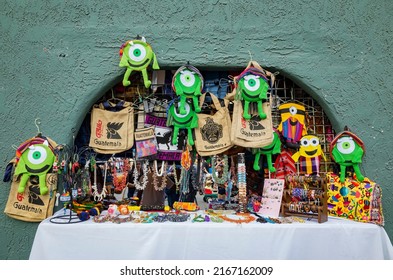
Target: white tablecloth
334 240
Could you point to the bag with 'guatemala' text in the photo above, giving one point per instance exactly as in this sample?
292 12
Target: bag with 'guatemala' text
112 128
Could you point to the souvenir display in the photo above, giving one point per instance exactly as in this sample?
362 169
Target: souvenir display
292 126
271 197
354 200
305 196
268 151
187 82
309 154
187 121
213 133
347 150
136 55
251 87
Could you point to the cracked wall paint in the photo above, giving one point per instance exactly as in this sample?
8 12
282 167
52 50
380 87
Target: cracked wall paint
58 57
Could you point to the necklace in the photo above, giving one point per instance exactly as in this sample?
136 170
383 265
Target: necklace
163 167
156 175
137 185
224 177
177 182
99 196
186 159
248 219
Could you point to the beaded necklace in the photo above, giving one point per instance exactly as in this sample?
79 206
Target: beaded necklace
156 175
247 219
137 185
177 182
99 196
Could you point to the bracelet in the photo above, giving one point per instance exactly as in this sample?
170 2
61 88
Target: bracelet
216 219
178 218
198 219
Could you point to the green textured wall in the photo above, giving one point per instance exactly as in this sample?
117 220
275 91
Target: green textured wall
58 57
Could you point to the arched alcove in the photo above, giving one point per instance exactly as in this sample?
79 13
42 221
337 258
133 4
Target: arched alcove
220 83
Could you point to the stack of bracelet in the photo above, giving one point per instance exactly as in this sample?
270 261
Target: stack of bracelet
241 182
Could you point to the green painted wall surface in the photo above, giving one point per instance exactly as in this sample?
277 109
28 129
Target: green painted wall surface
59 57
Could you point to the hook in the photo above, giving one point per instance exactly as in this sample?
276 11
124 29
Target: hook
37 122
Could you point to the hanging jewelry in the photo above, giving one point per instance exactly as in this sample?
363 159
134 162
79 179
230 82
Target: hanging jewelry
224 178
97 195
177 181
137 185
161 174
120 179
186 159
163 167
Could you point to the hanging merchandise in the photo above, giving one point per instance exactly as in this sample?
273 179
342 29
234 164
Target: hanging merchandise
145 142
136 55
309 154
251 87
347 150
284 165
292 126
187 82
165 150
268 151
241 181
187 121
354 200
213 134
34 157
251 133
112 131
33 189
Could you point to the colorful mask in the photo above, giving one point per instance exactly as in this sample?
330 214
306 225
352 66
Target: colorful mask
309 154
268 151
35 160
136 55
252 86
187 82
347 149
188 121
292 126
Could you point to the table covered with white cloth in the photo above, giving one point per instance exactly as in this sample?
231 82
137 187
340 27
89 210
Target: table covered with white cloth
335 239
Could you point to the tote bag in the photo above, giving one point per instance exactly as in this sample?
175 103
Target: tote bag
112 131
31 206
252 133
213 134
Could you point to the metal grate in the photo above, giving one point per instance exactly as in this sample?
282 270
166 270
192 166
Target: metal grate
285 90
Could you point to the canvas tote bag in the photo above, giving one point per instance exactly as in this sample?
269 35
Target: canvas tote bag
252 133
112 131
213 134
31 206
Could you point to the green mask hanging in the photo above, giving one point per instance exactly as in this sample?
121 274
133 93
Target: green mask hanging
136 55
36 160
188 121
347 149
187 82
